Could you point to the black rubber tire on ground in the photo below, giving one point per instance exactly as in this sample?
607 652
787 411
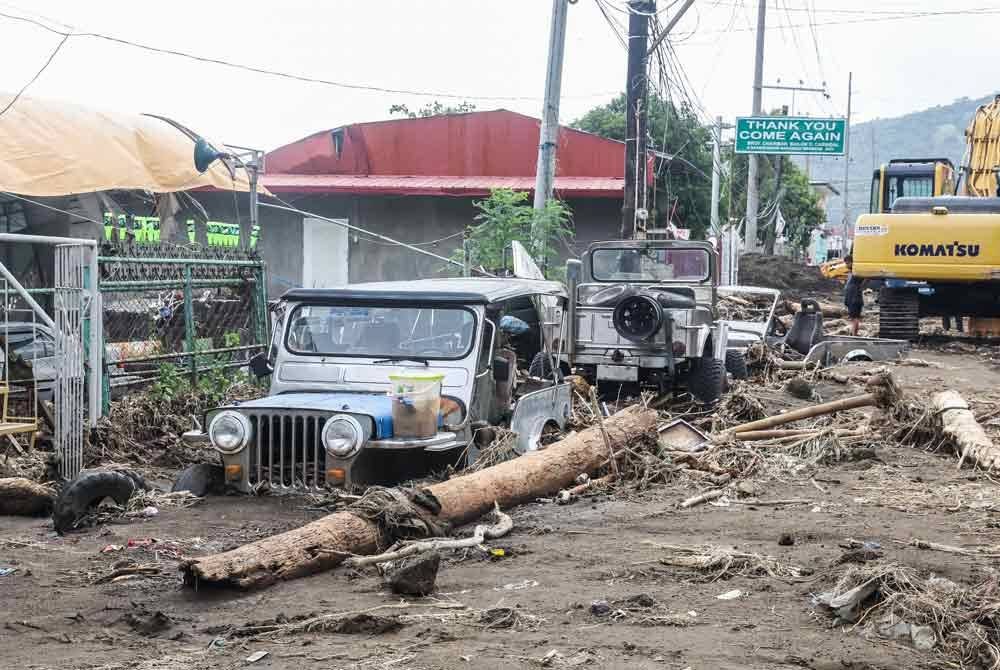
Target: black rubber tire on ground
89 488
706 379
541 366
736 364
201 479
898 314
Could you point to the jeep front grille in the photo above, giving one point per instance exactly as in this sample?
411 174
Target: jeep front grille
286 451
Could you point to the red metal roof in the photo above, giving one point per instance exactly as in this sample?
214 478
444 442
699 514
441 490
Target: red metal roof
453 154
567 187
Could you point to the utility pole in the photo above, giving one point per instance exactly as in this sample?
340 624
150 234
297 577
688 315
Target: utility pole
633 208
716 173
548 135
753 198
847 160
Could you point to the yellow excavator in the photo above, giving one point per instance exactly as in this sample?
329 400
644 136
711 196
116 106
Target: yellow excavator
902 177
937 254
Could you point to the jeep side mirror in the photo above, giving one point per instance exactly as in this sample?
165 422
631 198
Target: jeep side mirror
501 370
259 365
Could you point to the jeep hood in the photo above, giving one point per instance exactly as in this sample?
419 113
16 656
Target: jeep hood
376 406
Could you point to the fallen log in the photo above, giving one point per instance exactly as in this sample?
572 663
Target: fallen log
828 309
960 425
327 542
23 497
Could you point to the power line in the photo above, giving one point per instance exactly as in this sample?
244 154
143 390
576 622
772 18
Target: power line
38 74
277 73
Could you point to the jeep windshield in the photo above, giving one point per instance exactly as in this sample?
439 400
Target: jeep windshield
381 331
651 264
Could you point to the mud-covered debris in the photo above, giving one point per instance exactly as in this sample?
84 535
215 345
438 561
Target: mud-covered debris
799 388
415 576
148 624
600 608
786 540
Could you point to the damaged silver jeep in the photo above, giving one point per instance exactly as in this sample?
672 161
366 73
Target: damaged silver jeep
372 379
644 313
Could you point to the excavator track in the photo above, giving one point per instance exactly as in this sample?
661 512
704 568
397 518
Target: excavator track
898 314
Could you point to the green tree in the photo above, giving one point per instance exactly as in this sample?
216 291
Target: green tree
507 216
683 184
435 108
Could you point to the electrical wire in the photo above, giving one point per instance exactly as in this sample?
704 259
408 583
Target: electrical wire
277 73
38 74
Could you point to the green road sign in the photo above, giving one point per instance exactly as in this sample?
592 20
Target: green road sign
789 135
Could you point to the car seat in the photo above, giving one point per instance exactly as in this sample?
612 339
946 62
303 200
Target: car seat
807 327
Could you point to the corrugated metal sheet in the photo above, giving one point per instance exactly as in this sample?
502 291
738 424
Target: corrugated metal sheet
497 143
579 187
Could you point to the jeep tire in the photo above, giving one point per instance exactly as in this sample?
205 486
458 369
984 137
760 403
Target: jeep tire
705 380
200 479
736 364
541 366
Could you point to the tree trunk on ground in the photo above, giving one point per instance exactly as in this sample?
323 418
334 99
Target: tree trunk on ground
23 497
959 424
325 543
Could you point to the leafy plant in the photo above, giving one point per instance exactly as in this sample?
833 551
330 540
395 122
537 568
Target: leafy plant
507 216
435 108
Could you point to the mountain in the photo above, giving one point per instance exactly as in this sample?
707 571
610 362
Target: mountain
938 132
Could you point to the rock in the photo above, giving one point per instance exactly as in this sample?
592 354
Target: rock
638 600
600 608
415 576
746 489
786 540
148 624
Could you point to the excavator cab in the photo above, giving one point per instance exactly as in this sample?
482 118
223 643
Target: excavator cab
910 177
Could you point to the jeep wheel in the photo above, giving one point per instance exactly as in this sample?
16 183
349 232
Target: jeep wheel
736 364
200 479
705 380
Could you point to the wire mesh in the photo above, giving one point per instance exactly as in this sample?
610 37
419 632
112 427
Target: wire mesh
198 309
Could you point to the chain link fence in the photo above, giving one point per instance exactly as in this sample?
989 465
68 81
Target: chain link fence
172 309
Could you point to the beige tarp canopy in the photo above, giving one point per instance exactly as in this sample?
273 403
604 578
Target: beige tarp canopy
50 148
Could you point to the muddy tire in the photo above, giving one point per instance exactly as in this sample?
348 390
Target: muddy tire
736 364
898 314
706 379
200 479
88 489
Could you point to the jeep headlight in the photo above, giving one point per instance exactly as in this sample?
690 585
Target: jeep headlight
229 431
342 435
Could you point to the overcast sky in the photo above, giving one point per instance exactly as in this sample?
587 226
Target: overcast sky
475 49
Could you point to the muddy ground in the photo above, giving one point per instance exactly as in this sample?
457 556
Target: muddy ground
57 614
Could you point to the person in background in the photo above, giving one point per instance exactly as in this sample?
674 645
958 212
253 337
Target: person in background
853 297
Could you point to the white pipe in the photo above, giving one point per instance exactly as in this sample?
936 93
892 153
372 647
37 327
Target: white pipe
36 308
45 239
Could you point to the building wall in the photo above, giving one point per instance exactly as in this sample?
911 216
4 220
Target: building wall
412 219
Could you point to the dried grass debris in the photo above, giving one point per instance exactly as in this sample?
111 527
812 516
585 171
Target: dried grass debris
714 563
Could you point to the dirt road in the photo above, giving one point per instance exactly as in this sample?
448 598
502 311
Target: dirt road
534 605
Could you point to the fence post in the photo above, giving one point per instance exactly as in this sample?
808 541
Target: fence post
189 325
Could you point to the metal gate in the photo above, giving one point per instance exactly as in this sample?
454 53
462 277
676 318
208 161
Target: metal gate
70 304
76 331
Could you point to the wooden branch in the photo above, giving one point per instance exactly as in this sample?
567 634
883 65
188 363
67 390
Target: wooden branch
702 498
504 524
604 432
865 400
